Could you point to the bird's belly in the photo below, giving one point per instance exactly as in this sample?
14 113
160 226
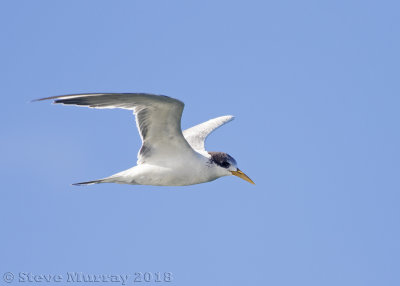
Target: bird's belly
166 176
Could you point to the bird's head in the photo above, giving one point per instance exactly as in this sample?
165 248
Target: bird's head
227 165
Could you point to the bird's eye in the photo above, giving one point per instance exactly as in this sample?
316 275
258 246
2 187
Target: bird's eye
225 164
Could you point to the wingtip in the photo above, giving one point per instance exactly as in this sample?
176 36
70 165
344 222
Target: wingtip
82 184
56 97
88 183
225 118
230 117
78 184
41 99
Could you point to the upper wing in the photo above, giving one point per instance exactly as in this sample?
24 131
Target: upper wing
158 119
197 135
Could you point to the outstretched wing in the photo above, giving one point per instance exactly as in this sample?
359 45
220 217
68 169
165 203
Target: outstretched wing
158 119
197 135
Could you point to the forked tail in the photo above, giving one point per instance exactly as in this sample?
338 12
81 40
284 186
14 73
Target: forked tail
119 178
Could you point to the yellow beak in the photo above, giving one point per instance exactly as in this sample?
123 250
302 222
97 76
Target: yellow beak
242 175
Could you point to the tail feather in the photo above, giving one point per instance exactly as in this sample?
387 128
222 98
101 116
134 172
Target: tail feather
119 178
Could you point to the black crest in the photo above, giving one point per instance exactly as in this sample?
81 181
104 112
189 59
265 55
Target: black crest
222 159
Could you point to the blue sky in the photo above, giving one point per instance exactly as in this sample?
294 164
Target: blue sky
314 88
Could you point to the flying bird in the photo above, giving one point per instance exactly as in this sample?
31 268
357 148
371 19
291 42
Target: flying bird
168 156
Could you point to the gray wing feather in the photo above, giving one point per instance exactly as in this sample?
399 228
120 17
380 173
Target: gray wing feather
197 135
158 119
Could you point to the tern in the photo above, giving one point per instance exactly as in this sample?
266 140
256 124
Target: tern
168 156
